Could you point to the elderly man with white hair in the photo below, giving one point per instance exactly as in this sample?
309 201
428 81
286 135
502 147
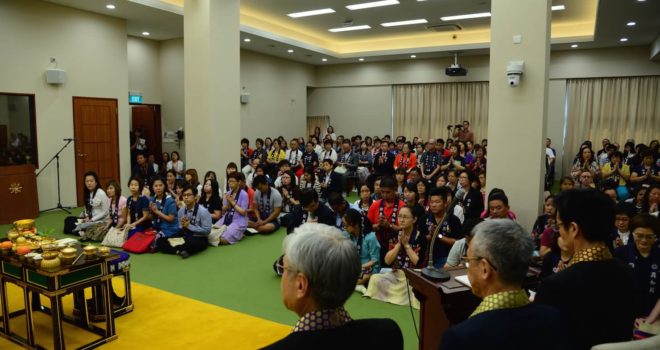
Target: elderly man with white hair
320 269
497 259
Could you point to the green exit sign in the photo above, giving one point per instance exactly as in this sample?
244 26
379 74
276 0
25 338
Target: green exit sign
134 98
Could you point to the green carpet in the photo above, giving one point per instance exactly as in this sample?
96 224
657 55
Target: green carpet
238 277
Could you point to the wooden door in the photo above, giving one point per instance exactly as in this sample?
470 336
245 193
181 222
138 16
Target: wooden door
147 118
97 140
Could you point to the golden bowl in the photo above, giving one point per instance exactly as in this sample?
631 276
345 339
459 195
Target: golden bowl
90 250
48 247
25 224
66 260
50 255
69 252
104 251
49 264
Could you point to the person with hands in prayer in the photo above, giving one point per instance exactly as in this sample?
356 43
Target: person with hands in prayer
194 228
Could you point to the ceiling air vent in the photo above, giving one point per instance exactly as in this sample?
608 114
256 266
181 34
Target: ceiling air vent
451 27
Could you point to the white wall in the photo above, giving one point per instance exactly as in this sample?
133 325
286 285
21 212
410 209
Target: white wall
144 68
172 92
364 110
278 96
629 61
31 32
277 88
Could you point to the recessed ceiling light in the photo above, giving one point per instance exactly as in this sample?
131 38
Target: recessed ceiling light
558 8
641 0
146 33
289 50
247 40
574 45
110 6
468 16
413 56
361 59
631 24
311 13
623 40
346 29
404 23
366 5
324 59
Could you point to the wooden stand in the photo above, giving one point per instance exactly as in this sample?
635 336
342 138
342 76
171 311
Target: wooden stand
443 304
18 193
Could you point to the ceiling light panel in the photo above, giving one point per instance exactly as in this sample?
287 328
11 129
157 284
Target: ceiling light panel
467 16
367 5
348 29
487 14
311 13
404 23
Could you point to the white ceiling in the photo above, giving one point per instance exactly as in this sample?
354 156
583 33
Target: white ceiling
165 21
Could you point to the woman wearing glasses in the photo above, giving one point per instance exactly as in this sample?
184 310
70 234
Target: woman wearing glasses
644 258
406 250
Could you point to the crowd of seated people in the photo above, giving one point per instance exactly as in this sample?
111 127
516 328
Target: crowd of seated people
408 191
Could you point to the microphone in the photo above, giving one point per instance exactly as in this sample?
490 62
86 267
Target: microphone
70 139
431 272
460 195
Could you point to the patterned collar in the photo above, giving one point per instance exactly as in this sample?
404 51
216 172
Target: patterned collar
591 254
322 320
502 300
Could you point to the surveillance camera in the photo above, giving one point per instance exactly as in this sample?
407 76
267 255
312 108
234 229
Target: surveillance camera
514 79
513 72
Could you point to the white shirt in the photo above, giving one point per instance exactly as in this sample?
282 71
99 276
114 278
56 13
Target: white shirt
624 236
177 167
100 205
293 156
141 144
319 150
458 212
331 154
549 154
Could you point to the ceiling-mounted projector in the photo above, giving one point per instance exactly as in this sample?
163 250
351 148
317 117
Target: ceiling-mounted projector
455 70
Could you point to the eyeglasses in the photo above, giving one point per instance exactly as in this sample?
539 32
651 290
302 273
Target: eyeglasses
187 195
279 268
641 237
466 259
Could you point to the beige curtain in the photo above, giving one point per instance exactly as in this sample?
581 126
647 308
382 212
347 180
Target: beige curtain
425 110
613 108
322 121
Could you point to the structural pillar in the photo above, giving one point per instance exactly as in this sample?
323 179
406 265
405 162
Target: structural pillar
212 84
520 31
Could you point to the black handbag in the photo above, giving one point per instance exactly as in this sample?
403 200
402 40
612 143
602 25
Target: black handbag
70 223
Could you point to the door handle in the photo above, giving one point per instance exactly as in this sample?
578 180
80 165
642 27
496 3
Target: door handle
82 155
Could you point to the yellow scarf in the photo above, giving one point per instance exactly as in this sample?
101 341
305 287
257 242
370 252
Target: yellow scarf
591 254
502 300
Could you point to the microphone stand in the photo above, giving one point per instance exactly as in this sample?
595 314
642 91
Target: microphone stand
56 157
431 272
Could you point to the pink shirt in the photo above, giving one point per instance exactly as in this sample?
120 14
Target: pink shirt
122 206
